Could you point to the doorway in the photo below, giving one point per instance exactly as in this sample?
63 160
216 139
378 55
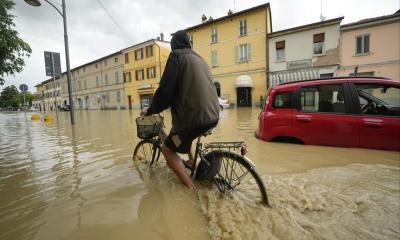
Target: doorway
130 102
243 96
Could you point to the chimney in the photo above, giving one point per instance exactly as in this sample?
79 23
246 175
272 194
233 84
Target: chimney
162 36
230 12
210 18
158 38
203 18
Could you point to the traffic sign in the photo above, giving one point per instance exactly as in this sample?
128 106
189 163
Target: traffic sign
23 88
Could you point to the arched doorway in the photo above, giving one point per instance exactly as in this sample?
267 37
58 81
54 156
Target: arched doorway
218 88
244 86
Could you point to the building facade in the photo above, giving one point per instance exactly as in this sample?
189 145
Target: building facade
96 85
373 46
235 48
143 67
305 52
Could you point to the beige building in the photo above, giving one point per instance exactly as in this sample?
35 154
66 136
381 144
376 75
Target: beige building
235 47
305 52
97 84
373 46
144 64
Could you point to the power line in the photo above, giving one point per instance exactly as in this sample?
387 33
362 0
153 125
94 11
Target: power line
115 22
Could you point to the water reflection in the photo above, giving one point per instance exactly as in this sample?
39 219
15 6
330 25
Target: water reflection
63 182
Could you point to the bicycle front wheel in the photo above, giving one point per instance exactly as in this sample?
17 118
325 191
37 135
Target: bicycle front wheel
147 151
238 176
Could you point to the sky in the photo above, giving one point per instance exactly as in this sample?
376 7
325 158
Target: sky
92 34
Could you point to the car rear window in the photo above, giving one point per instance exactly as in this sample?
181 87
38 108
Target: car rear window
282 100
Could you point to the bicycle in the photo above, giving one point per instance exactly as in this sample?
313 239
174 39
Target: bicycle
222 163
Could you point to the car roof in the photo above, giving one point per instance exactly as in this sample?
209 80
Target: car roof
296 84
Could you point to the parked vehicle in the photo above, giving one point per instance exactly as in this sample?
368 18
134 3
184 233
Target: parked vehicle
64 108
350 112
223 103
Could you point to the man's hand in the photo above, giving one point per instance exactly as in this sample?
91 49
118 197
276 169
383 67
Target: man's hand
143 112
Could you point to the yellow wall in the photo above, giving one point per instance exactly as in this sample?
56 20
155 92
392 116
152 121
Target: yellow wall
158 60
228 70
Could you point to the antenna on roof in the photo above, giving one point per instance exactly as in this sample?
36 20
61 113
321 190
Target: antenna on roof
234 5
321 17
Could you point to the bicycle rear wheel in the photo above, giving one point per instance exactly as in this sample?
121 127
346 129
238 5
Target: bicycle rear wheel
237 175
147 151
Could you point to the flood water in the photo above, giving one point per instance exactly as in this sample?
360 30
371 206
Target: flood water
63 182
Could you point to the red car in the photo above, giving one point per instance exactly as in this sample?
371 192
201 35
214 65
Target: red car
348 112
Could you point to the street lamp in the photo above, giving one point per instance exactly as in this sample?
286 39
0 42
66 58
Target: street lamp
36 3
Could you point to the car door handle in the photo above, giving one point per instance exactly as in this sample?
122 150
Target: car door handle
372 124
304 119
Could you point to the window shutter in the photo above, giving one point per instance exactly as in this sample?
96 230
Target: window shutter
320 37
248 51
237 54
366 44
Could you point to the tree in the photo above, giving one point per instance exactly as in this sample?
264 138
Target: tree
12 48
9 97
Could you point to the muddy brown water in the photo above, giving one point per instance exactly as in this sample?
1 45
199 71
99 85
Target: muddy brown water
63 182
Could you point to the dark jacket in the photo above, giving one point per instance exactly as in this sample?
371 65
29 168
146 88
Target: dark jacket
187 87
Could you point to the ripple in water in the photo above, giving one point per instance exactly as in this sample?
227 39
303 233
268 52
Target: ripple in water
353 202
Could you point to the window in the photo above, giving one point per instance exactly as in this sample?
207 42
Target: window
105 62
84 84
126 57
97 81
243 52
116 60
282 100
243 27
139 54
108 96
362 43
106 79
78 72
151 72
149 51
95 65
318 40
127 77
79 85
323 98
139 74
116 78
280 50
84 69
378 99
190 39
214 62
214 35
118 96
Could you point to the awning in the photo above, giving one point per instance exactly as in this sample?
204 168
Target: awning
244 81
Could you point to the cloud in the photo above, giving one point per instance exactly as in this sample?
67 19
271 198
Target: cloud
92 34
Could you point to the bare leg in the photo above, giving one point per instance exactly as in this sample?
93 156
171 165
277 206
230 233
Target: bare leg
175 163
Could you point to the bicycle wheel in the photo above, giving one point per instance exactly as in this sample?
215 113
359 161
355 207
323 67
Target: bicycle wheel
235 174
147 151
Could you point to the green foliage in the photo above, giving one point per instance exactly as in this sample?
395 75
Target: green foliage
11 97
12 48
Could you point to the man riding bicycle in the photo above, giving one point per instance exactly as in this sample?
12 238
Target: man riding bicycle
187 87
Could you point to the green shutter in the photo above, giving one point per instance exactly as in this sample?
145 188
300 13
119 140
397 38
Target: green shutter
236 54
248 51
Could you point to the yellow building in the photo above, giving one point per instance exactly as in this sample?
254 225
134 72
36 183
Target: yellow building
236 48
144 64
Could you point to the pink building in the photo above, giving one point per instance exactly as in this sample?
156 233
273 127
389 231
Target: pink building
372 46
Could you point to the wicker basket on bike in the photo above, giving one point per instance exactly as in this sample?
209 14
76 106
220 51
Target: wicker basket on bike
148 126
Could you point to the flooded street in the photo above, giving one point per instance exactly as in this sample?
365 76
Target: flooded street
58 182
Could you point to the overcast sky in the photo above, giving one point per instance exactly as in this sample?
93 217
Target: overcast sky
92 33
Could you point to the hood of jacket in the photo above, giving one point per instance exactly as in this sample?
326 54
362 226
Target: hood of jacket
180 40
